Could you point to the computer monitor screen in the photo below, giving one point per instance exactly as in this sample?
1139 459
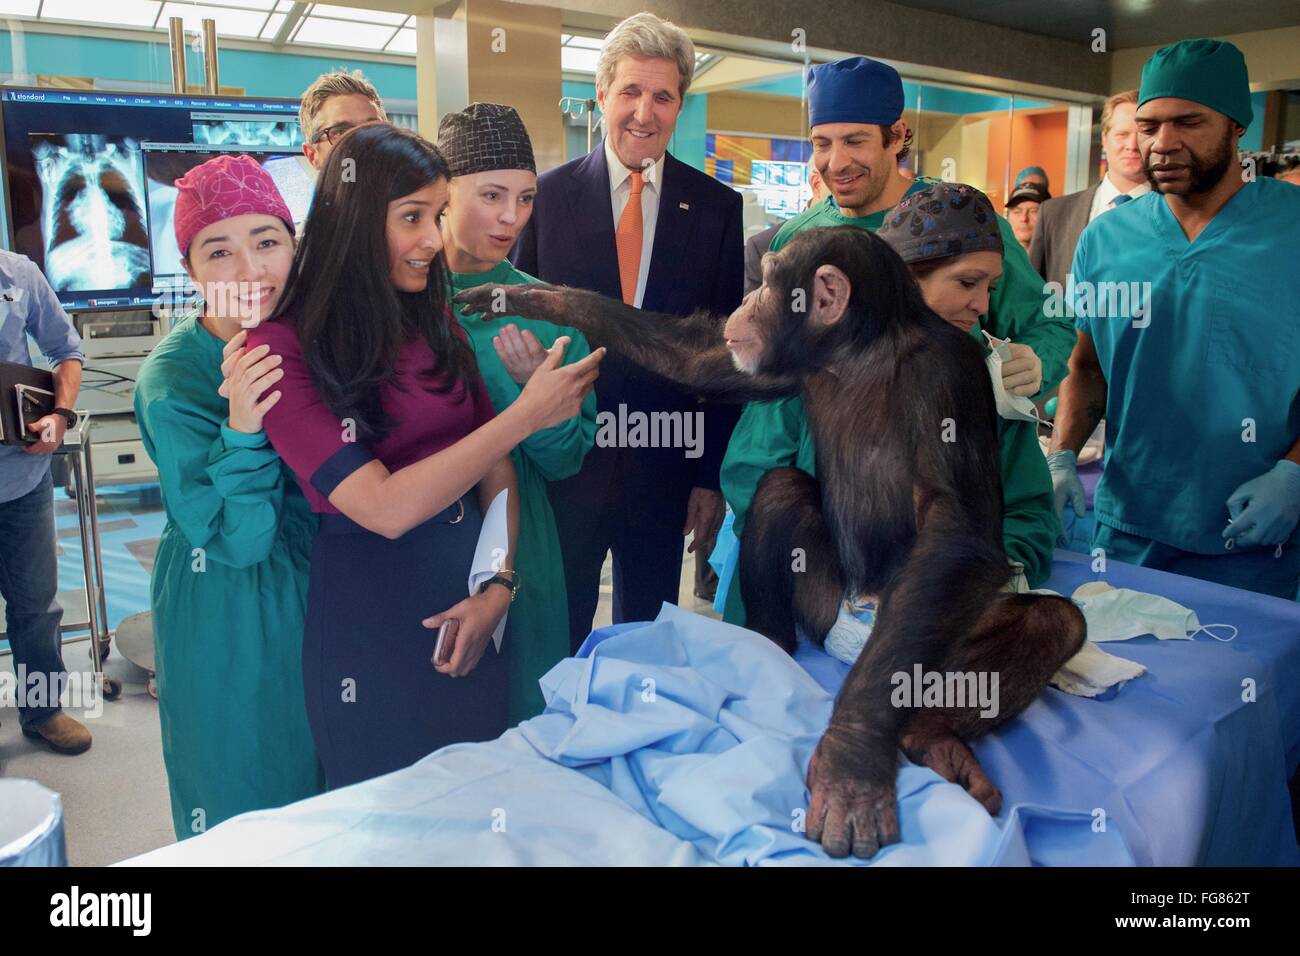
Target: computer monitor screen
164 163
79 188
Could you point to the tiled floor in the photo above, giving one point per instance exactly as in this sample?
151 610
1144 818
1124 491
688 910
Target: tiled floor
115 796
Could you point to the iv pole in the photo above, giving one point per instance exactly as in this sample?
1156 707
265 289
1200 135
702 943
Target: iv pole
575 106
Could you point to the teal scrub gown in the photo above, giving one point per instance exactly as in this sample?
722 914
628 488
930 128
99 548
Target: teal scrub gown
775 434
229 591
1203 387
539 616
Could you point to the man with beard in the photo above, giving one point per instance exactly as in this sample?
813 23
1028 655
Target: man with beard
1199 377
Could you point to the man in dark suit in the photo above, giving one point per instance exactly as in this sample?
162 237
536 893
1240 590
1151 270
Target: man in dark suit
1062 220
758 244
633 223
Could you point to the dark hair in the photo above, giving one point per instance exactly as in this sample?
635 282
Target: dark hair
928 266
351 321
887 135
884 297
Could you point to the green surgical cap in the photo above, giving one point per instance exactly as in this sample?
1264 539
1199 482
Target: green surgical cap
1209 72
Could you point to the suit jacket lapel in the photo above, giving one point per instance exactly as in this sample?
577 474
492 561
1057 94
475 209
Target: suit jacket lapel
593 219
1082 210
673 228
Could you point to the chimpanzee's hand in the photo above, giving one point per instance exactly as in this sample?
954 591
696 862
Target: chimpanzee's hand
852 808
532 301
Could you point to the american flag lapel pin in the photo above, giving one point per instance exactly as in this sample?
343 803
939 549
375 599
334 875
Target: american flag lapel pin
683 205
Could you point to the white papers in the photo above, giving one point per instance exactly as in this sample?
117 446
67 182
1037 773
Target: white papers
490 553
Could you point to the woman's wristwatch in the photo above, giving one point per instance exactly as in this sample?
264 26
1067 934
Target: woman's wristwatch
511 583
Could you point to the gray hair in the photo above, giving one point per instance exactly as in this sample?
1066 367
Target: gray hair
645 35
338 83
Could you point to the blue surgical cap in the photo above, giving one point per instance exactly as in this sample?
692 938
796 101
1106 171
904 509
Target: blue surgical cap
854 90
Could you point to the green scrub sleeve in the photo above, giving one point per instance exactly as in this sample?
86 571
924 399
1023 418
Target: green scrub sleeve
1029 523
1016 312
223 494
559 451
772 434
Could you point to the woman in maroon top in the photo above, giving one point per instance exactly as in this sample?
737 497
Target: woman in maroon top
386 423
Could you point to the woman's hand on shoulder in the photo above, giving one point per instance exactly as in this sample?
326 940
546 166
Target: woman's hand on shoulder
247 374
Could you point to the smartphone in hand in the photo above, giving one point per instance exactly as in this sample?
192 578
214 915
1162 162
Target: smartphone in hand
446 643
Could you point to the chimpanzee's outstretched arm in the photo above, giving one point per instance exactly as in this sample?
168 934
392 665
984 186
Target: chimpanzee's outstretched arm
949 579
688 350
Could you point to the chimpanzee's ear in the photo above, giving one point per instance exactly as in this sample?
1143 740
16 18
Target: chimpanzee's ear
831 291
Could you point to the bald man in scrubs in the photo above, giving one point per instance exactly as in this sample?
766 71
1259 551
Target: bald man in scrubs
1198 374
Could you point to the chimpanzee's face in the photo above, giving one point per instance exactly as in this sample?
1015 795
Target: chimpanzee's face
798 301
744 332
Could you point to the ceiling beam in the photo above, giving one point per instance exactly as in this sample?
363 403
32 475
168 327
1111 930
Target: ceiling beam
290 21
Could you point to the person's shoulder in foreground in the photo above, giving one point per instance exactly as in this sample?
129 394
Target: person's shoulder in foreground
280 333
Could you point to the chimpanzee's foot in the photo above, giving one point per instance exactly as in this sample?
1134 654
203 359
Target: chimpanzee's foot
950 758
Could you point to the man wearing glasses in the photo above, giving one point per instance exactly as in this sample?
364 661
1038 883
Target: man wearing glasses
331 106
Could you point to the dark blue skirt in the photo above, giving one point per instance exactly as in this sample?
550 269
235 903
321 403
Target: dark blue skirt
374 701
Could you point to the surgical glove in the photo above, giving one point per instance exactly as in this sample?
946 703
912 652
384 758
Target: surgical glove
1066 486
1265 510
1022 374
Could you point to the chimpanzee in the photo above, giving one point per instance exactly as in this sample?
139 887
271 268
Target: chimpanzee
906 507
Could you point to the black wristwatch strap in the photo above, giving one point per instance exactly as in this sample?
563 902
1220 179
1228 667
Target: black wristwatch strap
511 585
68 414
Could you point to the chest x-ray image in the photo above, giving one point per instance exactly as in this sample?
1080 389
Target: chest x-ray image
247 132
93 227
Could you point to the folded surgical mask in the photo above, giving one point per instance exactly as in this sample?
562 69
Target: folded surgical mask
1011 407
1117 614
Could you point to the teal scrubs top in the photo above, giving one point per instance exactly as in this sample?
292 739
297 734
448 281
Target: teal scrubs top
1203 393
229 590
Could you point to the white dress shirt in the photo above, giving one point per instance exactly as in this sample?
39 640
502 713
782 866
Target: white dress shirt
1106 193
620 188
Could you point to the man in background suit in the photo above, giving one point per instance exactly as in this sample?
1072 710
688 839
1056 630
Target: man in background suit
1062 220
758 244
631 222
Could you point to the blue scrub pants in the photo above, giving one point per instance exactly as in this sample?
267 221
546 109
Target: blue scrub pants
29 580
1251 569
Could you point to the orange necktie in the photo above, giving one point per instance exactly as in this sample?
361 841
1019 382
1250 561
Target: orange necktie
627 240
